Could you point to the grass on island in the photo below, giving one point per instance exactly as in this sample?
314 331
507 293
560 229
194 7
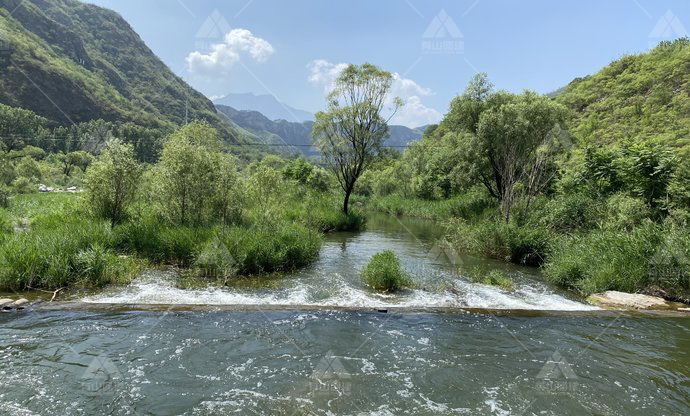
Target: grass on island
384 273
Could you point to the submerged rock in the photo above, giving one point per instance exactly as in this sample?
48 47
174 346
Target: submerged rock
621 300
5 302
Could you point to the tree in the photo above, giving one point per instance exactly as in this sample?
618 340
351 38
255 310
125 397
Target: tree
111 181
19 126
512 143
69 161
187 172
351 130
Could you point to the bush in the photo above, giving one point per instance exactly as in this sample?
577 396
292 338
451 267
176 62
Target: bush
23 185
4 197
492 278
625 261
526 245
384 273
60 253
281 248
473 204
568 213
625 212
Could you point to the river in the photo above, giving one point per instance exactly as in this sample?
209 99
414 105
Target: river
292 350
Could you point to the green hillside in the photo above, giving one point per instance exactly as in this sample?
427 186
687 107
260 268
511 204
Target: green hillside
54 61
636 97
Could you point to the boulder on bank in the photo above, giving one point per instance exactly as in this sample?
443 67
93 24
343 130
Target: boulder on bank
620 300
11 304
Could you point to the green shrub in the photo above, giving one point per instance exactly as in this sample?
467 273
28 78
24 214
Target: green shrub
568 213
280 248
58 254
626 261
526 245
473 204
23 185
4 196
492 278
624 212
384 272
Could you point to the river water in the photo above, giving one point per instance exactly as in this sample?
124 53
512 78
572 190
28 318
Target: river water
264 360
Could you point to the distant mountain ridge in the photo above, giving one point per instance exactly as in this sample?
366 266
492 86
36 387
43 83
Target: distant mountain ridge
72 62
267 105
286 133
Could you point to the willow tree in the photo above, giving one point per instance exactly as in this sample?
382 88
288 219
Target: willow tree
351 130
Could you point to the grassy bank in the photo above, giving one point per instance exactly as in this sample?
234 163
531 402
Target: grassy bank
50 241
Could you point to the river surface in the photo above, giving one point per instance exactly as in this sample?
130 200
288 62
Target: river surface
264 360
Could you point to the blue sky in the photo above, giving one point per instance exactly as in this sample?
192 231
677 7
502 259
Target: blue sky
292 49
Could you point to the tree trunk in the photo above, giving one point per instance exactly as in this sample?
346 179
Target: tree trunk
347 200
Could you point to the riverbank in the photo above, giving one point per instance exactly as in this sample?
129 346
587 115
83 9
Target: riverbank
575 244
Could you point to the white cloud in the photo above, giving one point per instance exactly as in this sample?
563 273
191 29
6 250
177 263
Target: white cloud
225 54
413 114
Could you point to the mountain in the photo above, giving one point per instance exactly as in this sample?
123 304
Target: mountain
636 97
267 105
72 62
296 137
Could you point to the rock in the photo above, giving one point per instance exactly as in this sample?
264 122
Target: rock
359 204
684 309
5 303
620 300
42 188
20 304
72 189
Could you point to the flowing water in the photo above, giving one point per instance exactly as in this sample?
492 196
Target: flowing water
334 279
305 359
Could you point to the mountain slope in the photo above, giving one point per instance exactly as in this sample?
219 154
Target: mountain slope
635 97
286 134
72 62
267 105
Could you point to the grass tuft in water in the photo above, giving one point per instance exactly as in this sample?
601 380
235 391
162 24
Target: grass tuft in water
384 273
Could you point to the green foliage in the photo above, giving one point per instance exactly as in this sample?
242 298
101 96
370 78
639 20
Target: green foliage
112 181
570 212
190 170
351 131
623 260
61 252
384 273
60 50
526 245
636 97
492 278
23 185
282 248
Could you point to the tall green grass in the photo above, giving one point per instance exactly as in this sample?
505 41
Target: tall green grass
62 253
